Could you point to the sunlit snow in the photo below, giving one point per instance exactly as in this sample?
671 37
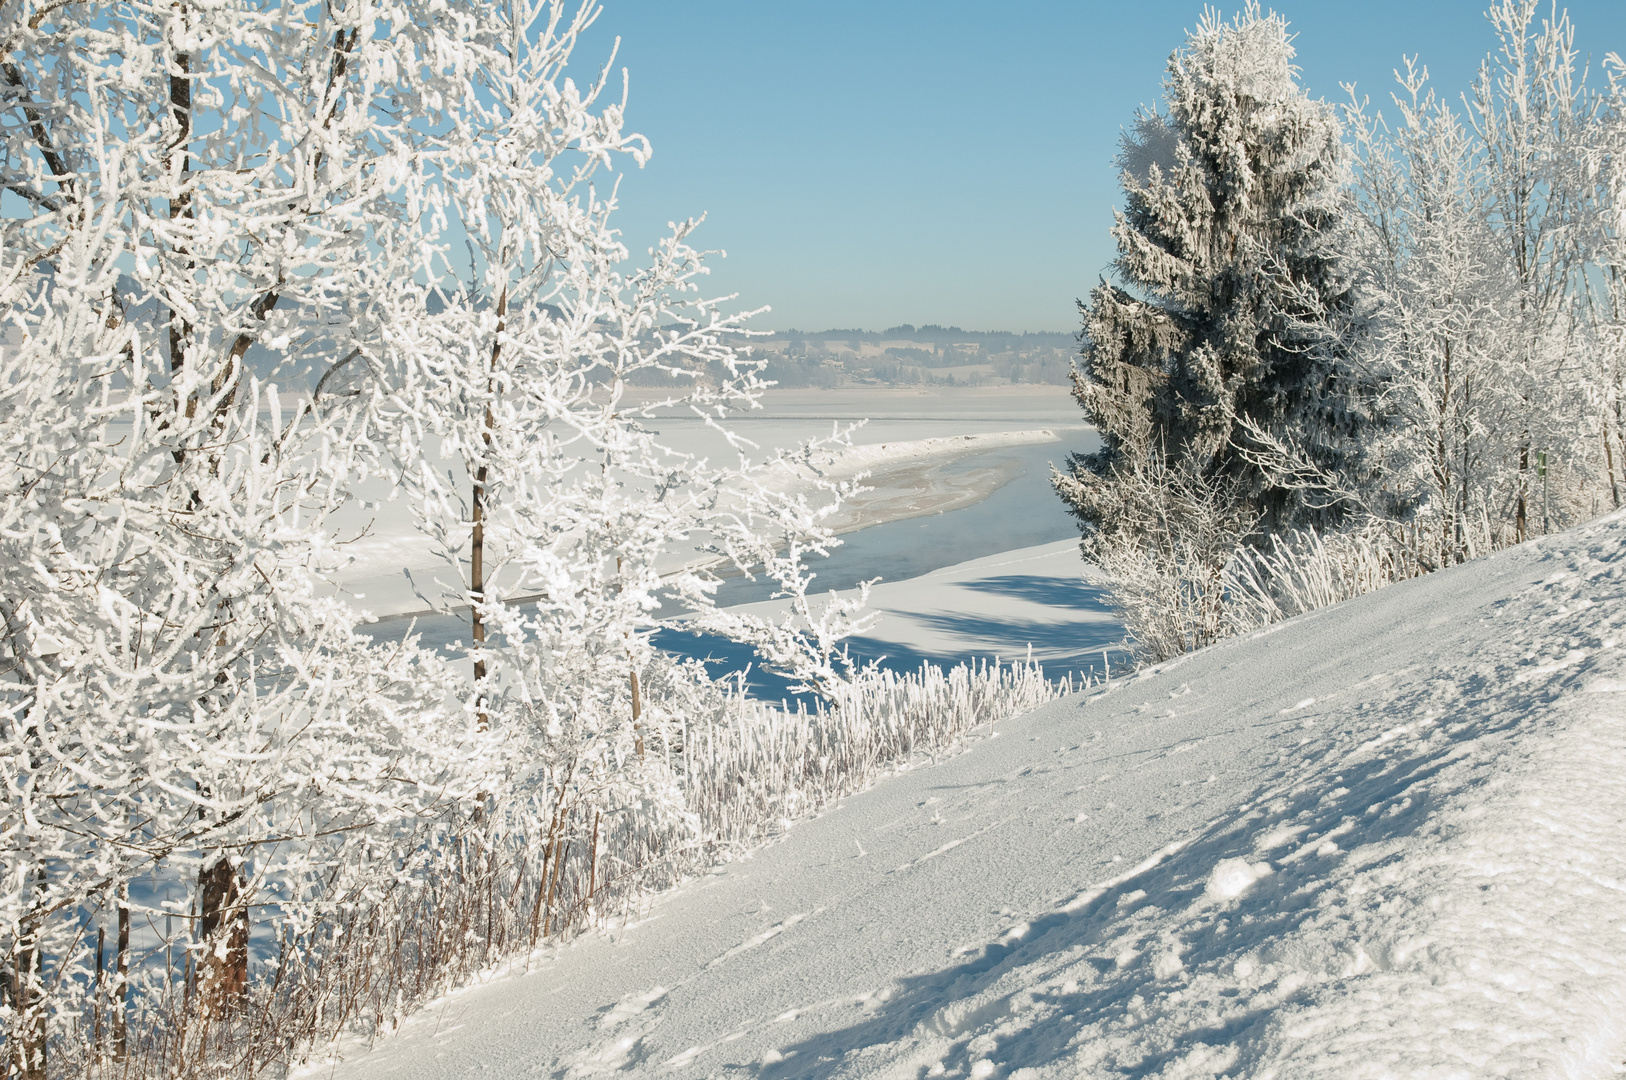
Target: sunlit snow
1384 839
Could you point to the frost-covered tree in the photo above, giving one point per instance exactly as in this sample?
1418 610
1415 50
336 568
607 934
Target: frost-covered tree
1437 295
1480 247
1227 272
1609 308
1536 121
190 728
254 253
500 378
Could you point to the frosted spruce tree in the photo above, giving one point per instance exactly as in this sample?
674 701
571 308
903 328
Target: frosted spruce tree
1213 352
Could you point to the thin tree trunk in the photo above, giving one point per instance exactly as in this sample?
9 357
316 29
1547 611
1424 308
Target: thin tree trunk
28 1042
558 874
477 579
121 973
180 200
1620 438
1521 511
637 714
592 863
101 995
1609 465
30 1037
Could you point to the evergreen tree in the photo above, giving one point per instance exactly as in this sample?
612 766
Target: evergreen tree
1217 343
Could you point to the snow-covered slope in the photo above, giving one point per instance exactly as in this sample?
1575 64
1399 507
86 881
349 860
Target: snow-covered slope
1385 839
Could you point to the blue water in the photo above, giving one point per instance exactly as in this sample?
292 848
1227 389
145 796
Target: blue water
1022 513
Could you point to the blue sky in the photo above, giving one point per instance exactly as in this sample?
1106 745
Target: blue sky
866 164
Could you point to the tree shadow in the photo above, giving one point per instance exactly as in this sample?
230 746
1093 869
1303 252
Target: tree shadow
1077 638
1091 969
1075 594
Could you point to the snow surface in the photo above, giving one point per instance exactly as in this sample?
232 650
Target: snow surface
1010 606
1384 839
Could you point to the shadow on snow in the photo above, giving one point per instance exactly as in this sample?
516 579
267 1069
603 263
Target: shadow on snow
1085 946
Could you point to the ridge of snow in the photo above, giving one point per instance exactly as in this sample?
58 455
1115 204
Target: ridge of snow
1384 839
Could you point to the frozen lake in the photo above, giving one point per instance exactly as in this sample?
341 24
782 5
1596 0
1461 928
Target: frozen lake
1019 512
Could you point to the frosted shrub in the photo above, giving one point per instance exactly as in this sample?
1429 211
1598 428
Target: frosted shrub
1304 571
1165 575
1169 607
761 764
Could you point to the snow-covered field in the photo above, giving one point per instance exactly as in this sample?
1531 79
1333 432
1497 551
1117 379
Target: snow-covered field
1384 839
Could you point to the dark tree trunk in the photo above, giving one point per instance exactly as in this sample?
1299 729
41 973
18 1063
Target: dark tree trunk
223 928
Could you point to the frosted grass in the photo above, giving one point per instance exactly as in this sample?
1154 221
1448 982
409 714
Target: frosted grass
503 892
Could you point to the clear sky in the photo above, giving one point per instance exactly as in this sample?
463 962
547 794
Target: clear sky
866 163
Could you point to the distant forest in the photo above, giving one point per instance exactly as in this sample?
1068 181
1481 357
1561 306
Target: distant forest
908 355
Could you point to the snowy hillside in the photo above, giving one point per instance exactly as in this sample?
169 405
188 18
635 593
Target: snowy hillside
1385 839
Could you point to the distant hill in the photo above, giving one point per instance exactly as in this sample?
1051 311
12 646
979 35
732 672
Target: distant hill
915 356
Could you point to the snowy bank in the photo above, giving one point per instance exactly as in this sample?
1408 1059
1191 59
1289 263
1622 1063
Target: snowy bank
906 479
1384 839
1031 603
877 458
